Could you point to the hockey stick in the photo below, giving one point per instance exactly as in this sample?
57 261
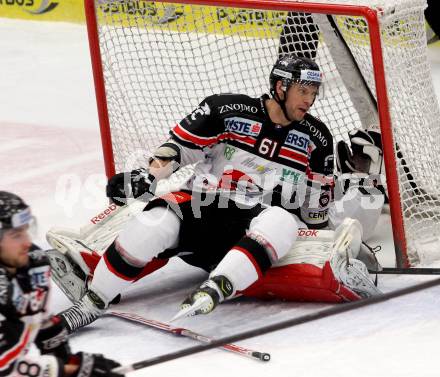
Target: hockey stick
189 334
407 271
334 310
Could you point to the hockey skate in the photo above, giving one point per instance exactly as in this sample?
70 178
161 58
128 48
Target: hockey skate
347 269
205 298
85 311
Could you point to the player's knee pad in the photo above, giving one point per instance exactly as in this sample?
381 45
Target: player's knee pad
276 229
148 234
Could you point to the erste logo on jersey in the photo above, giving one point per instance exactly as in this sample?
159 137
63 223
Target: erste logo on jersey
243 126
33 301
40 276
297 140
27 303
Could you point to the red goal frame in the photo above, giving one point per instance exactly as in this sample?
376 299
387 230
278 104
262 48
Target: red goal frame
370 15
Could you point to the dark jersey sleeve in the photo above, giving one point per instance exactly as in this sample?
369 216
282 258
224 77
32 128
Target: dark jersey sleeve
320 182
432 15
13 344
14 361
14 333
201 128
322 154
22 300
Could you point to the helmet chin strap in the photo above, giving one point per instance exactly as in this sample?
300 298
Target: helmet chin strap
282 104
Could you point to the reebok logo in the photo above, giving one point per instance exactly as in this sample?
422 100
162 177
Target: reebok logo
101 216
307 233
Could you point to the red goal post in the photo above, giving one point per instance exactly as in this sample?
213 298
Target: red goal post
112 35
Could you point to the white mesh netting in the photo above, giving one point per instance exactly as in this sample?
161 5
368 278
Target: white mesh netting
160 60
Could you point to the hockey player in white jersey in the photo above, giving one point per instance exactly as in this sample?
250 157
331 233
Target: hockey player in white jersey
24 319
264 171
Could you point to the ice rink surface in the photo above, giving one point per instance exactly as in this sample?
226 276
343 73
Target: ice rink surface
50 154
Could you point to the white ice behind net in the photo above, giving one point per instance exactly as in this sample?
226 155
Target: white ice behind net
161 60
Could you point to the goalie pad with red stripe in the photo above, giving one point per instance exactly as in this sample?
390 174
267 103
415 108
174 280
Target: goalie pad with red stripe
301 282
305 273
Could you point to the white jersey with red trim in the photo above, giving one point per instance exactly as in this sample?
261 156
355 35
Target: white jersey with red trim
240 151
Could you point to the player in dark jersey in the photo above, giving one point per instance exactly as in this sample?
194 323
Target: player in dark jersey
24 291
264 169
431 15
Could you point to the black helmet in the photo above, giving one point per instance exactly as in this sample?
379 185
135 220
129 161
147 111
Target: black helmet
291 69
14 212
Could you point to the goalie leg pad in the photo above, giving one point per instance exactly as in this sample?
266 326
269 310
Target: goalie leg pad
71 244
350 271
71 260
142 239
301 282
313 270
67 275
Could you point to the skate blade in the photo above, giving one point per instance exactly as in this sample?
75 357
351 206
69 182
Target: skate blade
191 310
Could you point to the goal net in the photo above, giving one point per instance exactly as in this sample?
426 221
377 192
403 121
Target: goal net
153 62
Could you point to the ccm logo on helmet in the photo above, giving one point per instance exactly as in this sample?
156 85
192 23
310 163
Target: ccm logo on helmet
307 233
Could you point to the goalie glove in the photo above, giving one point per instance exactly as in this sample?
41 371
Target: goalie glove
361 163
364 155
137 184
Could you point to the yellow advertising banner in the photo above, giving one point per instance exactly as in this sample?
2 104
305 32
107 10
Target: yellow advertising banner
186 18
43 10
154 14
